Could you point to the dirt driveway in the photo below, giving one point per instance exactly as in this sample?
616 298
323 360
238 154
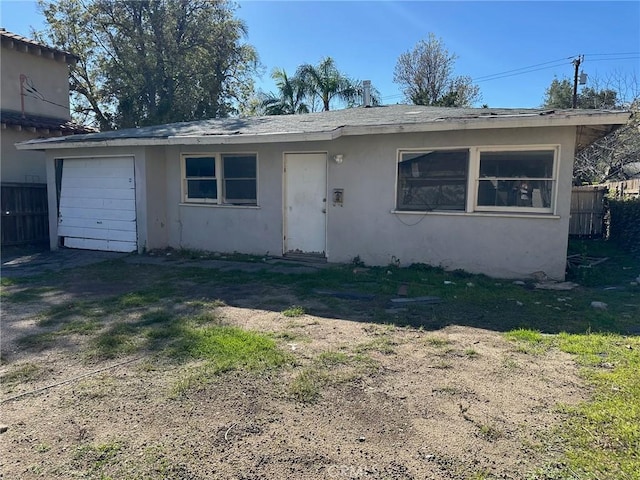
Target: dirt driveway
85 396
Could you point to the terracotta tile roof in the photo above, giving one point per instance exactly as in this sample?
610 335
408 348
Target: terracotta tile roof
34 46
64 126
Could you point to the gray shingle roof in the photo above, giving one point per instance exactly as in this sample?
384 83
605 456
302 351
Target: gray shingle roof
356 119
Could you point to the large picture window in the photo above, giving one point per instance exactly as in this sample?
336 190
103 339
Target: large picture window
226 179
432 180
516 180
478 179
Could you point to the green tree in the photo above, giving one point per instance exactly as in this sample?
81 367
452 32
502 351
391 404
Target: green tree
290 98
325 82
615 155
560 95
426 76
148 62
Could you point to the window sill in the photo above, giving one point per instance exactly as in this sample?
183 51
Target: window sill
453 213
219 205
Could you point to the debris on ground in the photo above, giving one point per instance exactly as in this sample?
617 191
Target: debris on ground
583 261
551 285
427 299
345 295
599 305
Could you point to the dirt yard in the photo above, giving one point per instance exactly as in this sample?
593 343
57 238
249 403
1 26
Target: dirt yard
359 399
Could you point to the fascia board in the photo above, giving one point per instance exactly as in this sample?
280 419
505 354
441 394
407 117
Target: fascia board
490 123
185 140
260 138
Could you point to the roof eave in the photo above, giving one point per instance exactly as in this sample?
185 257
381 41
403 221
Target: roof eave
597 118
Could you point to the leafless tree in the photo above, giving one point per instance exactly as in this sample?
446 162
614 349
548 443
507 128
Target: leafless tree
426 76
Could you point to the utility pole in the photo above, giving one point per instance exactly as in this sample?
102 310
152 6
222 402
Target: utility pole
576 64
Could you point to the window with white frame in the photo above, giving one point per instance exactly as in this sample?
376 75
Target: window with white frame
515 180
431 180
223 179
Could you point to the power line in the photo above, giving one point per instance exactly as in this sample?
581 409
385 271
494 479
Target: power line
546 65
562 60
605 54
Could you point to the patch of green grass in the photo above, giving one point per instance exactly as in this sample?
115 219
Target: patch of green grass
220 349
294 311
471 353
8 282
27 295
230 347
601 438
510 364
382 344
81 326
437 342
95 457
329 368
306 386
42 447
530 342
63 312
25 372
37 341
332 358
146 297
97 387
117 340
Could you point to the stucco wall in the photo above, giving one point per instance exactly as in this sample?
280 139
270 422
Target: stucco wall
50 77
156 198
20 166
254 230
497 245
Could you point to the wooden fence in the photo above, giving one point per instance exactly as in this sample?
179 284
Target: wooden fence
25 217
587 211
624 188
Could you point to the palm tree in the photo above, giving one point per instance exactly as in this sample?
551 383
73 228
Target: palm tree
290 97
327 82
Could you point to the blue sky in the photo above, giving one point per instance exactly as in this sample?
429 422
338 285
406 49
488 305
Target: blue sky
538 39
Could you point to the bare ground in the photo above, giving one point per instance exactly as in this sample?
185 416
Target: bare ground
456 403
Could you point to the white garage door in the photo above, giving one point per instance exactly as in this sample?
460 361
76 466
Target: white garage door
98 204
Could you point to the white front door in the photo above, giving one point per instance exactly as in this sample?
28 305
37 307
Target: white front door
305 206
98 204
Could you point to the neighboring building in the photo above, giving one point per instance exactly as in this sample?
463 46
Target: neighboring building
484 190
34 104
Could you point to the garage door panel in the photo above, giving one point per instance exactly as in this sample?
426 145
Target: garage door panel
93 244
101 172
97 204
99 162
97 182
99 224
120 193
97 233
97 214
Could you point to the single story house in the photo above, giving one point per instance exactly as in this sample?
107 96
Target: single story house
484 190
